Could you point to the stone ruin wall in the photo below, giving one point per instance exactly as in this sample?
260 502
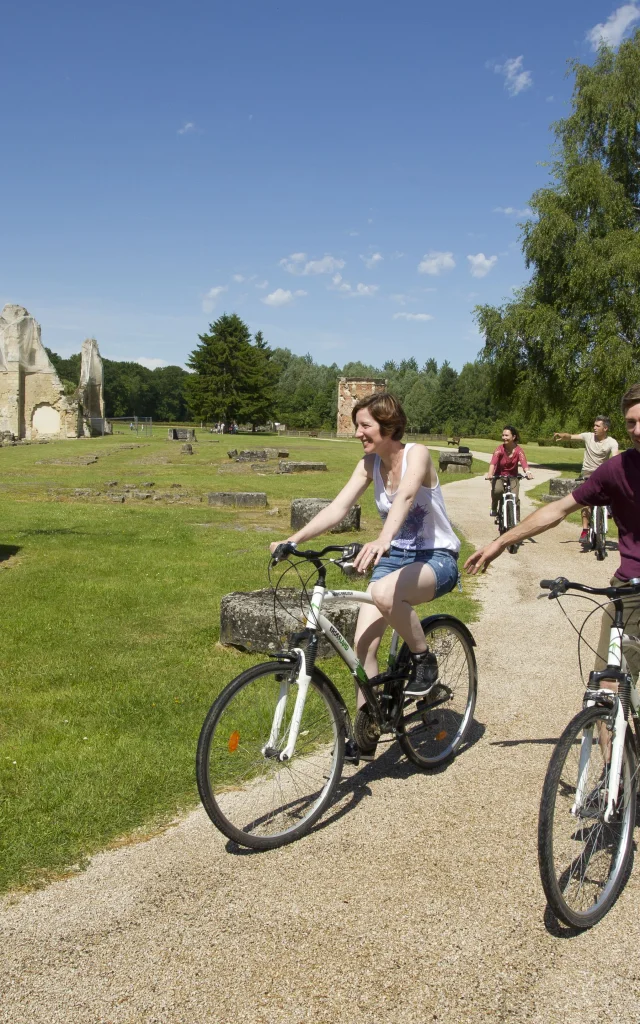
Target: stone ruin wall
350 391
33 404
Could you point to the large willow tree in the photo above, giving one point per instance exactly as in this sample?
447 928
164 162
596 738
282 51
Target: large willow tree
568 343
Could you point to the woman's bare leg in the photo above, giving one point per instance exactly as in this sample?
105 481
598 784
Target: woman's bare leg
369 630
395 598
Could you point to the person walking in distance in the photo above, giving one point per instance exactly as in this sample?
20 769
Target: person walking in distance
598 447
505 462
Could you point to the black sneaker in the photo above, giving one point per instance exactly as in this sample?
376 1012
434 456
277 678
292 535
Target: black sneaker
424 674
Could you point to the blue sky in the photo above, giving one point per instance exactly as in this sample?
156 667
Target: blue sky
347 177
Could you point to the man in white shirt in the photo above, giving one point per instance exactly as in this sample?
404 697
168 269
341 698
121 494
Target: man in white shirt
598 448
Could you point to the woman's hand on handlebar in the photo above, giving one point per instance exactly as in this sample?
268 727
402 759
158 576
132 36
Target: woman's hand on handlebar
371 554
529 475
488 477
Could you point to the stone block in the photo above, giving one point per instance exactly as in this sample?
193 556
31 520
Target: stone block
304 509
303 467
455 462
247 620
82 492
181 434
238 499
560 487
187 449
141 495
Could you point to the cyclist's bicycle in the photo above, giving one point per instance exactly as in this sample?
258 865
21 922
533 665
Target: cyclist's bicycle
588 806
508 509
597 534
272 746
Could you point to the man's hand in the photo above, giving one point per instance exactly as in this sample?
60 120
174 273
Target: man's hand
480 559
561 437
371 552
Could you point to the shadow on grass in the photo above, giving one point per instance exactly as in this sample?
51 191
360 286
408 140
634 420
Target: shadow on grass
351 790
7 551
53 533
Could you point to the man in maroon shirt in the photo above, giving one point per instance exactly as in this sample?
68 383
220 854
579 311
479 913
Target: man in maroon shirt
615 483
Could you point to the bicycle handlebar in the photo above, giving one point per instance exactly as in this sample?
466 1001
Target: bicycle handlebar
561 585
349 551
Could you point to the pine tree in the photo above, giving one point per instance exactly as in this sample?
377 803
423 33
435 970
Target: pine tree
217 389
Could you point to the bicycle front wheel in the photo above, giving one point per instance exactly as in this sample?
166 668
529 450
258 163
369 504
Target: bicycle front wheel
600 535
251 795
434 728
511 521
583 859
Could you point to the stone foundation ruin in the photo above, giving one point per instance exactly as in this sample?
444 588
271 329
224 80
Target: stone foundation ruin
350 391
33 403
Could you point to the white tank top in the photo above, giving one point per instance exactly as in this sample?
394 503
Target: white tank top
426 525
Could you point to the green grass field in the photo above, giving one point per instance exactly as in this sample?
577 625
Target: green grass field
109 652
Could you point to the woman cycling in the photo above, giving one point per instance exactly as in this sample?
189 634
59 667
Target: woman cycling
414 558
504 462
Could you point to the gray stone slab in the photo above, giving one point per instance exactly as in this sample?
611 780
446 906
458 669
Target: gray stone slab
303 511
238 499
303 467
559 487
455 462
247 620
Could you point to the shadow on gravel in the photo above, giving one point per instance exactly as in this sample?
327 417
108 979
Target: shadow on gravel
352 789
548 740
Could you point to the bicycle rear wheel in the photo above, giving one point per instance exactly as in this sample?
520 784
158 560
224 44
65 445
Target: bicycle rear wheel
249 794
583 859
600 540
434 728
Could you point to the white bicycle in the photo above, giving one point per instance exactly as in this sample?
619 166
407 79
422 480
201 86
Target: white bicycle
507 516
272 746
588 806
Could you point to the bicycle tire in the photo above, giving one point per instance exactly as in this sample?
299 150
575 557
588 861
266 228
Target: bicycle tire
511 521
600 538
584 866
255 799
432 734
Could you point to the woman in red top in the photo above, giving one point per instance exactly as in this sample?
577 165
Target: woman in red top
504 462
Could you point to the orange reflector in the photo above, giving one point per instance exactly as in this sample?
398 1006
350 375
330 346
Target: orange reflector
442 735
234 739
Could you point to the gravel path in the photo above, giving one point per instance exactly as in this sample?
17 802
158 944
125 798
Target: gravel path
416 900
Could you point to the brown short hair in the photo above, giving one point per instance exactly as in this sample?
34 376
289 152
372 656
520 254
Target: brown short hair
387 411
630 397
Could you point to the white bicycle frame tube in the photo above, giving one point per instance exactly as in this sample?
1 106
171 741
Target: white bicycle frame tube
616 658
316 620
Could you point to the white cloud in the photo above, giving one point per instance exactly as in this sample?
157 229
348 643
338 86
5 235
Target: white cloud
397 255
481 264
435 262
516 80
188 126
262 284
238 278
372 261
211 297
151 364
298 264
510 211
282 297
412 316
612 31
400 298
360 290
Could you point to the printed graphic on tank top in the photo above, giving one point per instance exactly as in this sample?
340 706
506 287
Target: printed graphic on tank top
426 525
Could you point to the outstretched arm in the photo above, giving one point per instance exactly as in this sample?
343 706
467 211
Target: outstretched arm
567 437
542 519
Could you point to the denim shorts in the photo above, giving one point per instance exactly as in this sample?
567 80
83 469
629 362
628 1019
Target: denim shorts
442 561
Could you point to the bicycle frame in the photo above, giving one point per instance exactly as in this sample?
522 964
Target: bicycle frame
316 621
616 661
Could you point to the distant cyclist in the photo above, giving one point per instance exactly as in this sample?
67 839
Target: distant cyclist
505 462
598 447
